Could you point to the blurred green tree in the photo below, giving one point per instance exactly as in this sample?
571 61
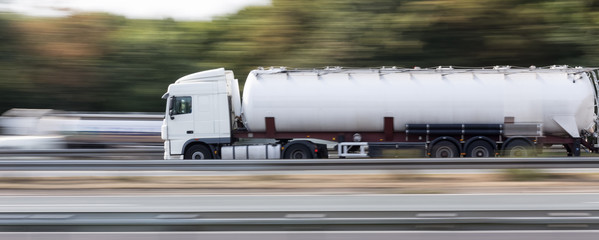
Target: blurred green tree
103 62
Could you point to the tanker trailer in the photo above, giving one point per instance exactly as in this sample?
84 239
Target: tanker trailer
382 112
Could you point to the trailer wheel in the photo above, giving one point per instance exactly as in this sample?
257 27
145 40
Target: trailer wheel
519 148
298 151
480 148
444 149
198 152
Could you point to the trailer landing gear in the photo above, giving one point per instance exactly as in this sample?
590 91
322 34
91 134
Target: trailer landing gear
573 148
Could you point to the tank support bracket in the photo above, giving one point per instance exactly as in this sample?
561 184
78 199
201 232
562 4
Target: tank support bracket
270 127
388 128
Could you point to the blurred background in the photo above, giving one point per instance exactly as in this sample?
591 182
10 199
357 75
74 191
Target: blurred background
90 75
106 60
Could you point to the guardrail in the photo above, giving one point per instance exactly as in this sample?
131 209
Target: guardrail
281 165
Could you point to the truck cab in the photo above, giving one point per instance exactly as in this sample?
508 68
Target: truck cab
197 114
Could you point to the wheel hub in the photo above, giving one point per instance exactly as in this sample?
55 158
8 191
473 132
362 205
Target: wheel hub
480 152
444 152
197 155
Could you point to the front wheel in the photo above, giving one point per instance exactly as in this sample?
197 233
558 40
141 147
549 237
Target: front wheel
198 152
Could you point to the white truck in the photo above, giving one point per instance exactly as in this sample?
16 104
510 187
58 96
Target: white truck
382 112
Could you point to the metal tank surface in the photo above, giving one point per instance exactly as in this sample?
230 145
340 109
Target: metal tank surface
357 100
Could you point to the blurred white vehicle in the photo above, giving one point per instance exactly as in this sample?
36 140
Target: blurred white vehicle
52 129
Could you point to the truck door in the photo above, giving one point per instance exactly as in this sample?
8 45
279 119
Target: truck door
181 122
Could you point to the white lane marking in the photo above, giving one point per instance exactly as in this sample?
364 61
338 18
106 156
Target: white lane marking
569 214
436 215
316 215
65 205
178 216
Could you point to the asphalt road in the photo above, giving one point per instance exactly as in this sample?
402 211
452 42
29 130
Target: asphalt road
326 215
224 203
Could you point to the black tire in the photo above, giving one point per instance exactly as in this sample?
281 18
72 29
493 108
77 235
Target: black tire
197 152
444 149
298 151
480 148
519 148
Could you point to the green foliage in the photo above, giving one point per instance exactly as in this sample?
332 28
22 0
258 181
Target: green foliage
103 62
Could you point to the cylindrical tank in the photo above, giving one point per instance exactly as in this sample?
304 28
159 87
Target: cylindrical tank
358 100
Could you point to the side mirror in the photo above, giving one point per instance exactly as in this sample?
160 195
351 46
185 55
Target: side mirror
171 104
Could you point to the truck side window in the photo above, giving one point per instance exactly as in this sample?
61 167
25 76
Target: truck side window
182 105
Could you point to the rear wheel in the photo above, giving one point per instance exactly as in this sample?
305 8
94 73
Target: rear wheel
444 149
298 151
519 148
198 152
480 148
